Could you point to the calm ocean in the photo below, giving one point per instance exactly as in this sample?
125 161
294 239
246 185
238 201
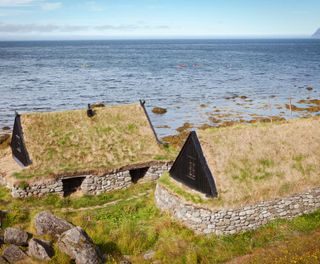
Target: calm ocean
179 75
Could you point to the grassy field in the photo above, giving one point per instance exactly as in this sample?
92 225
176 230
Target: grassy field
70 143
251 163
134 225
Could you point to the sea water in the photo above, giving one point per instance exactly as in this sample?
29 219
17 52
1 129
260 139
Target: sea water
191 78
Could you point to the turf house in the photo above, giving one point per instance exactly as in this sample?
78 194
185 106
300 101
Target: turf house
233 179
92 150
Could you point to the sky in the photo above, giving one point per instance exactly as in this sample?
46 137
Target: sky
108 19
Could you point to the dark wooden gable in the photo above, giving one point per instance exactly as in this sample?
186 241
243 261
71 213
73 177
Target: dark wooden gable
19 150
191 168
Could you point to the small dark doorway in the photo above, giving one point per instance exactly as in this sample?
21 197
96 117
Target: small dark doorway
137 174
71 185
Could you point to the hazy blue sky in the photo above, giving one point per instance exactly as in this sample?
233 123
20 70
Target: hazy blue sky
29 19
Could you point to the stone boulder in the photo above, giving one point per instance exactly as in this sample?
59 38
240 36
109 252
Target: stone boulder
79 246
47 223
13 254
40 249
15 236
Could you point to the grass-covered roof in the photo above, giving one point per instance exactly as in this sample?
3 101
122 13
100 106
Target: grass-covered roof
263 161
69 142
256 162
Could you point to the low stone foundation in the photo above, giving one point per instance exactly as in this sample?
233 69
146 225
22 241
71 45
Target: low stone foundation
231 221
91 184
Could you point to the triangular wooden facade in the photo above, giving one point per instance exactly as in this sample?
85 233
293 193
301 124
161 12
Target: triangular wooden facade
191 168
19 150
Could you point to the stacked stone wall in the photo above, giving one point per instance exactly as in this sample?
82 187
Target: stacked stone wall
92 184
231 221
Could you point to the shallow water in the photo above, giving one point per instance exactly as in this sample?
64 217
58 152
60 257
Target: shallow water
179 75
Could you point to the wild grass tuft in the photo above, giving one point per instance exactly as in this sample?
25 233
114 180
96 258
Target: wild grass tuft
133 226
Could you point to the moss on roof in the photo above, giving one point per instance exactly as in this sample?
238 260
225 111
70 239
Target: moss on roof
69 142
257 162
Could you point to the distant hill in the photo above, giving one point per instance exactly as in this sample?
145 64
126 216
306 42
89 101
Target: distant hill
316 34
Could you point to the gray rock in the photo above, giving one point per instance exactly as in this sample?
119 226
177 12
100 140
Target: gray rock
47 223
40 249
79 246
13 254
149 254
15 236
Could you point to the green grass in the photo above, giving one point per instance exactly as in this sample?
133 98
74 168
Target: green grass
68 143
166 181
256 162
132 227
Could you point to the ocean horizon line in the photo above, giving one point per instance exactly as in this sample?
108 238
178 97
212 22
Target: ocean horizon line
163 38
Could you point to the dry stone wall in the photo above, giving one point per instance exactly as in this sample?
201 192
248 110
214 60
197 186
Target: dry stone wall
91 184
96 185
54 186
231 221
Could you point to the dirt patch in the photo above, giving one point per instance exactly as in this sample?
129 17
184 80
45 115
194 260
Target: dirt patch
8 165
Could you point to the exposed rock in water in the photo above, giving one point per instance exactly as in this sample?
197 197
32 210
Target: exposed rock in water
47 223
310 101
79 246
315 108
13 254
40 249
15 236
97 105
205 126
159 110
163 126
185 127
6 128
176 140
309 88
267 119
214 120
